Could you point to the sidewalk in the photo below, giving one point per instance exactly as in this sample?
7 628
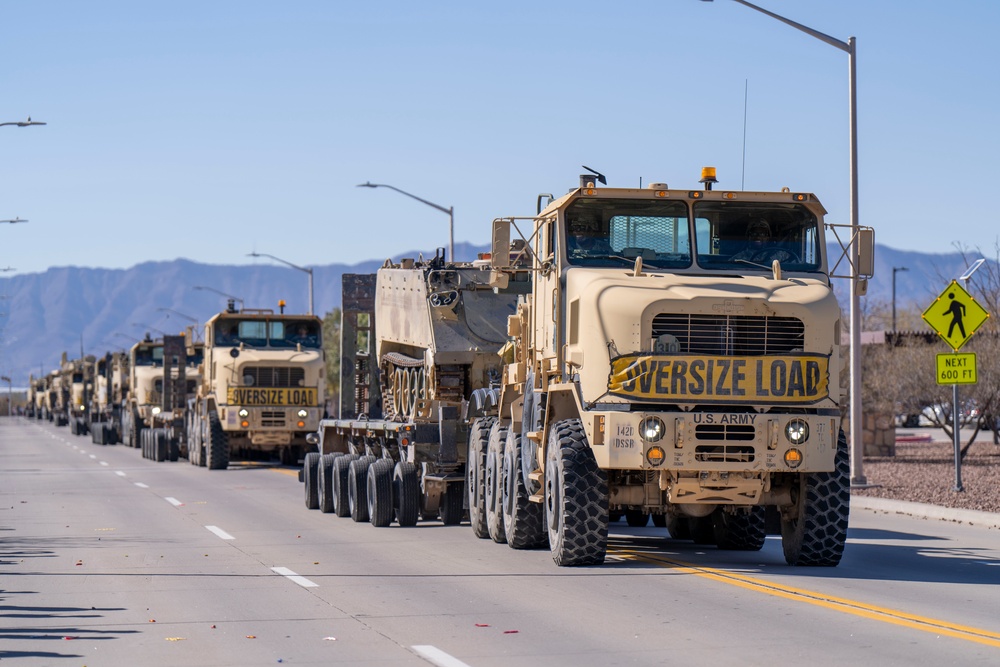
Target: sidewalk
924 511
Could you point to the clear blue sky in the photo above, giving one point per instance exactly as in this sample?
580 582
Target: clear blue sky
207 130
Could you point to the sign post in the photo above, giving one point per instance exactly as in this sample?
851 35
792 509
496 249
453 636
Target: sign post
955 316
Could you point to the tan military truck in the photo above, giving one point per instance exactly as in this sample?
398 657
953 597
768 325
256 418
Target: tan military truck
678 356
77 383
262 387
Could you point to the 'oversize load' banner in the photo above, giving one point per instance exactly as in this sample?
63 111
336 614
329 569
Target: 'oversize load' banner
305 397
787 379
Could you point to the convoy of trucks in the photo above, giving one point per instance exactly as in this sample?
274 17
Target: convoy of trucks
660 354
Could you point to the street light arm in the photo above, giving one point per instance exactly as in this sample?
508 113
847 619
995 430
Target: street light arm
404 192
278 259
832 41
23 123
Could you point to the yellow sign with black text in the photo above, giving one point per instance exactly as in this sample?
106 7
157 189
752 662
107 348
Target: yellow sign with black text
956 368
955 315
298 397
786 379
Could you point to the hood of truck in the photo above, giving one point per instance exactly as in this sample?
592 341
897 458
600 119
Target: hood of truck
610 312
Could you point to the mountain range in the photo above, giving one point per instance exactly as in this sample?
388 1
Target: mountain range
69 309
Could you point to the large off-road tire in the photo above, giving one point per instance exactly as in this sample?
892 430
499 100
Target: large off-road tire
475 483
702 529
357 488
195 451
452 501
161 445
310 471
324 481
493 492
135 429
217 447
341 497
524 521
659 520
744 529
636 518
173 449
406 493
814 529
576 497
380 506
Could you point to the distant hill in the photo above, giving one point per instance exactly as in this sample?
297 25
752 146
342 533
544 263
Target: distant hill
64 308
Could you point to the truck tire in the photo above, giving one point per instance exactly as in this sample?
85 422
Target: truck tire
678 527
814 529
479 440
524 520
217 447
576 497
659 520
310 471
406 493
196 453
636 518
324 482
494 484
134 430
341 473
452 508
380 506
173 449
741 530
144 443
160 445
357 488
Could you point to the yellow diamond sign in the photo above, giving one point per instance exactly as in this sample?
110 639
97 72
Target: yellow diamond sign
955 315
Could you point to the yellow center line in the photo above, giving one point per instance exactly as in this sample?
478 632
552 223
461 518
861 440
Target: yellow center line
285 471
844 605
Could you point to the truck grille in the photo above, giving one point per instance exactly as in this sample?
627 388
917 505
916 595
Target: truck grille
724 454
267 376
731 334
272 418
724 432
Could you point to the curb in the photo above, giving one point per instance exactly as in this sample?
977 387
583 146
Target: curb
925 511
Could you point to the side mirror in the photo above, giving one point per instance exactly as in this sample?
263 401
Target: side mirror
500 250
866 253
312 438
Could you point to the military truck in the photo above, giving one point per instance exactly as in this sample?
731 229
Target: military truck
78 382
419 346
262 387
104 415
678 356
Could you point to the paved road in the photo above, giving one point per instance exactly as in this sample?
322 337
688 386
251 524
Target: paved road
109 559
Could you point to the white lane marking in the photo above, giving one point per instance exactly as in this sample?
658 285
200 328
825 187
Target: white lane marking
221 533
103 463
173 501
119 473
93 456
301 581
141 485
437 656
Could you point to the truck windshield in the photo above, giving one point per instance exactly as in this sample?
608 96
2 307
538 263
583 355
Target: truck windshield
614 232
268 333
743 236
149 356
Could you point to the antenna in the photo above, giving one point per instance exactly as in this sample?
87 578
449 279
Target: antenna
746 91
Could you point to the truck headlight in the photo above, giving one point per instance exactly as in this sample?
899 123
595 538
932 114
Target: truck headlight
652 429
156 410
244 412
303 414
797 431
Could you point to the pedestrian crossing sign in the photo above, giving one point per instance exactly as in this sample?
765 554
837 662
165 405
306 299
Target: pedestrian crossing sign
955 315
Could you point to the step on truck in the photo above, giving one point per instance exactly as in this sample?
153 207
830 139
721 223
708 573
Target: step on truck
419 343
262 388
679 357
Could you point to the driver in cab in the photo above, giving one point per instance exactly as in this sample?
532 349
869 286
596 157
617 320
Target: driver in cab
760 247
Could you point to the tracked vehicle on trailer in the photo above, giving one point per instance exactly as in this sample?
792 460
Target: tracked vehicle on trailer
419 352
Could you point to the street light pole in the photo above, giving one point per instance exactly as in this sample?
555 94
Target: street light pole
294 266
894 270
450 211
849 47
10 391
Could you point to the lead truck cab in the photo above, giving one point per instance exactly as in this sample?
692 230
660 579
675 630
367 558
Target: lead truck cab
262 388
671 361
